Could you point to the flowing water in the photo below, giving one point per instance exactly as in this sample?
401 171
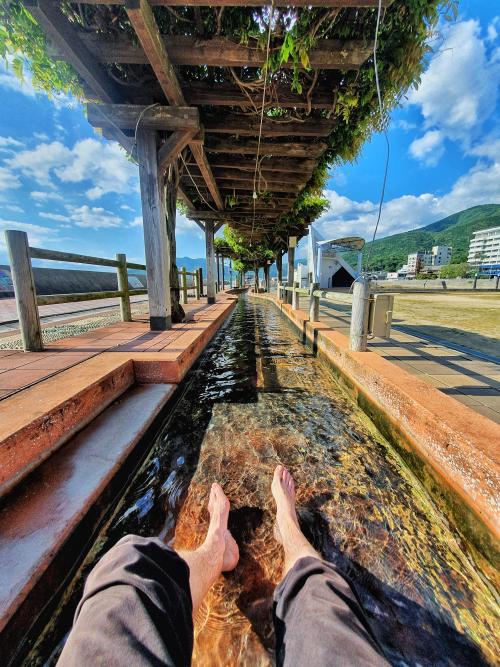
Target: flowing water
259 398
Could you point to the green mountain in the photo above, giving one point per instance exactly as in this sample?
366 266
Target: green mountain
391 252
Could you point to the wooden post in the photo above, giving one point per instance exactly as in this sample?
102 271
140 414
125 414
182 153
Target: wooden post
24 290
200 282
295 297
155 233
314 304
230 274
359 314
218 271
291 272
279 266
209 242
122 279
223 273
184 287
197 284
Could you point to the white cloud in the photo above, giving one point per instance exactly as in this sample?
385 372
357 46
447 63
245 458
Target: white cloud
126 207
93 217
459 90
7 144
428 148
136 222
480 185
54 216
8 180
404 125
9 81
45 196
104 165
37 234
185 226
41 136
14 208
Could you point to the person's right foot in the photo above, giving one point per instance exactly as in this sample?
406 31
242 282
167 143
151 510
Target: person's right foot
287 529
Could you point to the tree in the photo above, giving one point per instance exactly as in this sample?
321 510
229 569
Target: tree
461 270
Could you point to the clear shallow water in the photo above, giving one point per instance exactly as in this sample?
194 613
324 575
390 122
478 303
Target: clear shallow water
258 398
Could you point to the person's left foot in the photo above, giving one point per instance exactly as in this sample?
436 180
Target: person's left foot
219 539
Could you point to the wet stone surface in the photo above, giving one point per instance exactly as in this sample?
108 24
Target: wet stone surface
259 398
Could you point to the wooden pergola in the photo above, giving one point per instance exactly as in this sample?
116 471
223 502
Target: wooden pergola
202 142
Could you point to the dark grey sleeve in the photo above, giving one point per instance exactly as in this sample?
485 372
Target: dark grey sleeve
136 609
319 621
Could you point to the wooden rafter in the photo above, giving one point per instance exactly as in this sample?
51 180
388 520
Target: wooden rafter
144 23
250 3
246 147
127 116
242 125
222 52
172 148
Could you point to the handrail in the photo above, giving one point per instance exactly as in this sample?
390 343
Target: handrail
21 254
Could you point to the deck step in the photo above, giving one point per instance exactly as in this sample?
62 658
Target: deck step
47 520
38 420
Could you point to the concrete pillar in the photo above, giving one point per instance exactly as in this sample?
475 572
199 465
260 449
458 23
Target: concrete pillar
359 314
314 304
210 251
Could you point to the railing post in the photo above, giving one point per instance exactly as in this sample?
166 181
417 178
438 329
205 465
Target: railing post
359 314
295 297
475 282
197 283
122 279
278 291
184 285
24 290
314 304
497 280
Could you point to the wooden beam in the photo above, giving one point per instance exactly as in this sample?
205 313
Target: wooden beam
198 93
184 198
210 257
171 149
61 33
285 165
222 52
340 4
128 116
262 178
245 147
250 126
144 23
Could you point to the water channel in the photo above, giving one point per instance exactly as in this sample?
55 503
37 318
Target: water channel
259 397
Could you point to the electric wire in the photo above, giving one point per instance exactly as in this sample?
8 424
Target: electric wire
254 196
386 169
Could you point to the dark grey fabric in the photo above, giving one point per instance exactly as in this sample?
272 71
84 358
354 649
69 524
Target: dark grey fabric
319 621
136 609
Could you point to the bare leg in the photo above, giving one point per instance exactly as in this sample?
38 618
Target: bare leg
218 553
287 529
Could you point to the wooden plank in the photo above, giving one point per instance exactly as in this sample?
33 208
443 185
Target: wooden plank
144 24
126 117
58 256
198 93
210 256
155 232
250 126
270 186
245 147
368 4
24 290
206 172
223 52
265 176
172 147
285 165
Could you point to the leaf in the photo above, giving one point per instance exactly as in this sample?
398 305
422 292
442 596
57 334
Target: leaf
304 58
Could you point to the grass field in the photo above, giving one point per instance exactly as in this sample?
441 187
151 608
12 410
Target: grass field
471 319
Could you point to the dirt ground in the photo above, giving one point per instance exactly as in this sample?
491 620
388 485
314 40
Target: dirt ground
472 320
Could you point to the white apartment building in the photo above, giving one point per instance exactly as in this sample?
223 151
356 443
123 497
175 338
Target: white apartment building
441 255
417 261
484 250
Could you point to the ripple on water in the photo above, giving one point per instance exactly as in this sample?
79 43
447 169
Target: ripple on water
259 398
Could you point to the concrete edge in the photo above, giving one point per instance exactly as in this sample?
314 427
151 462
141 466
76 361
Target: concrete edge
452 449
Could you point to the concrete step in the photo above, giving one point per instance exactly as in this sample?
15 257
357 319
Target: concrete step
38 420
47 521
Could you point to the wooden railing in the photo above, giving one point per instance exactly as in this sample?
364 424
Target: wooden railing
27 300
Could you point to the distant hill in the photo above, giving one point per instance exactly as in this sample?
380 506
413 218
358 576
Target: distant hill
391 252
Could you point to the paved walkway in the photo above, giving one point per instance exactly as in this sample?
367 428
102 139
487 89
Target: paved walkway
60 311
19 370
471 381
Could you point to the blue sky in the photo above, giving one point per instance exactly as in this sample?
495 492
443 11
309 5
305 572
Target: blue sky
72 190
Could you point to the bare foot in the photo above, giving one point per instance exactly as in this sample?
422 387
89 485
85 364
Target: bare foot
218 553
287 529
